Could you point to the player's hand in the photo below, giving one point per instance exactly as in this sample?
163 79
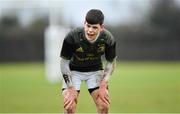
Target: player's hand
103 92
70 97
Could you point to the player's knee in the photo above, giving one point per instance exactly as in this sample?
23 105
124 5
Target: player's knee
102 107
70 109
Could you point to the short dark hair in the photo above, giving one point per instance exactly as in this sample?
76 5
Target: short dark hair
95 16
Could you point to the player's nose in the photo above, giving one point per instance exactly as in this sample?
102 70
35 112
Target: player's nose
90 29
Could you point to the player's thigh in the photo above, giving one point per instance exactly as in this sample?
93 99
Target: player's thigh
76 81
94 95
94 79
98 101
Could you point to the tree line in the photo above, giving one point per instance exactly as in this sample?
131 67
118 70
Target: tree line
157 37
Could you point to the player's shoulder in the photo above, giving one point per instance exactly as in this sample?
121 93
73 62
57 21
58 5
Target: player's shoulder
108 37
74 34
75 31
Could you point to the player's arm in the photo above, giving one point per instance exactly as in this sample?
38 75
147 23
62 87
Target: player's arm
103 93
66 55
65 70
108 70
110 55
70 94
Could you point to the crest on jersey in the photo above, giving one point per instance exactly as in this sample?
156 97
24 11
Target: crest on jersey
101 48
80 49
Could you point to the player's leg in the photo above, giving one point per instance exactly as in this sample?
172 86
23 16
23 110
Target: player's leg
101 106
93 83
70 107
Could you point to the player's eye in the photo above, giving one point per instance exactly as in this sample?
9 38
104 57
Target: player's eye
95 27
88 26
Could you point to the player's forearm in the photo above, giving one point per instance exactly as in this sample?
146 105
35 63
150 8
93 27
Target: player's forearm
109 68
65 70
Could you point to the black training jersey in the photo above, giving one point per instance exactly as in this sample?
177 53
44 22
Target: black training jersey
85 56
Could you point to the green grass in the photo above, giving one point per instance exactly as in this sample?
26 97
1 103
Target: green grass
135 87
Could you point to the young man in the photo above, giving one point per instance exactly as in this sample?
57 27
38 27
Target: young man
81 61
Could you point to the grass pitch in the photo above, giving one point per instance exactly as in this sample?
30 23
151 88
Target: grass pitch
135 87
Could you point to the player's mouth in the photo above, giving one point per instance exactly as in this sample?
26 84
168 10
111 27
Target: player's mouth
90 35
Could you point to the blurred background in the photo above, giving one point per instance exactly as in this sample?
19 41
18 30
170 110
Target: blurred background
147 32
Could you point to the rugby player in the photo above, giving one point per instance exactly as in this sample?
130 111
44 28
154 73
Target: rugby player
81 55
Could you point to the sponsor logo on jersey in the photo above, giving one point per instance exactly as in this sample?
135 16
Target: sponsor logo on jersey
80 49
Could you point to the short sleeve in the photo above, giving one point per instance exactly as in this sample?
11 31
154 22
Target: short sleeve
67 47
110 50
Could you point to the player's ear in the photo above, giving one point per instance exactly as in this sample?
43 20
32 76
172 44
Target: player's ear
102 27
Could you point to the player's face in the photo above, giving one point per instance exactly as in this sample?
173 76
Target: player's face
92 30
